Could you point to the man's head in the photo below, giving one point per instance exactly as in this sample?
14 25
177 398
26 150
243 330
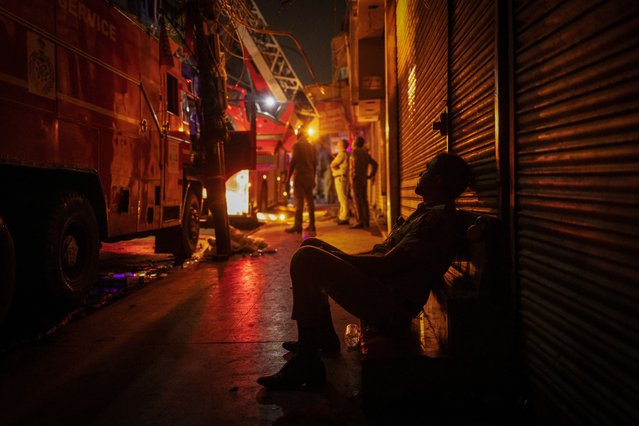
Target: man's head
359 142
445 178
343 145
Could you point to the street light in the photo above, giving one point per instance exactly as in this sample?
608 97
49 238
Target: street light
269 101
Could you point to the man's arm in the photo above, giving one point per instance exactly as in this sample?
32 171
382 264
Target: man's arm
374 166
338 160
378 264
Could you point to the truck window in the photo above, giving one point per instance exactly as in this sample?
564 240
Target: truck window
190 116
142 10
172 94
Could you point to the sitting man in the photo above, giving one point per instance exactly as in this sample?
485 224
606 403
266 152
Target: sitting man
386 286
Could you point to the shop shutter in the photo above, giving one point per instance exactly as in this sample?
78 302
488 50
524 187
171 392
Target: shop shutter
472 99
576 92
377 197
422 31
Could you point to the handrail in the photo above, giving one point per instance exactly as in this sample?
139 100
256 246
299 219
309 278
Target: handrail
148 104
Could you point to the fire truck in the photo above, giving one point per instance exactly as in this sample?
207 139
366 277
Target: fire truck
261 186
100 138
280 107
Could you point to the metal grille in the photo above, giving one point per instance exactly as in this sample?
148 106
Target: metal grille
377 198
577 170
472 99
422 30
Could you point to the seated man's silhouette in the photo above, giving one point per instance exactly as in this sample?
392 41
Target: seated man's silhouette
386 286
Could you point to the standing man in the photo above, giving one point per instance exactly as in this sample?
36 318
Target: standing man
303 164
339 169
360 160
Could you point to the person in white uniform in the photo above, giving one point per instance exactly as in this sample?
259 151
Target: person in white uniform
339 169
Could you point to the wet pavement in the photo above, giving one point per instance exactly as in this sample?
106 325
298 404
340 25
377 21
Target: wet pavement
185 345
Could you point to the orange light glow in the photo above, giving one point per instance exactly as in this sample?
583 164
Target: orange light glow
270 217
412 89
237 194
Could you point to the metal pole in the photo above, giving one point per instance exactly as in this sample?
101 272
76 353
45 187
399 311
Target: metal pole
214 133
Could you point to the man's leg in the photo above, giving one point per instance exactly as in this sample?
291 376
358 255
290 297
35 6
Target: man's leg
316 273
316 242
310 202
306 367
299 208
365 207
354 201
358 198
342 197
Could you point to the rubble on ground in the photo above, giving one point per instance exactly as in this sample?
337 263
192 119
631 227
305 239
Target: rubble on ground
240 244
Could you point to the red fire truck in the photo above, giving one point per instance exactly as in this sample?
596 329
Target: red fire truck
260 187
99 137
277 118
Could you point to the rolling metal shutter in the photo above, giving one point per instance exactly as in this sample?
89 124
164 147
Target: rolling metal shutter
576 123
472 99
422 32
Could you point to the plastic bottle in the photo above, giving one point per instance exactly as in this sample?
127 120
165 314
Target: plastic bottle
352 336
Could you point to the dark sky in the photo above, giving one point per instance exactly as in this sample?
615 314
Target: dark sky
314 23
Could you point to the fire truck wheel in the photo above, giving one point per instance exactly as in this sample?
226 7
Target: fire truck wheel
72 249
7 270
190 232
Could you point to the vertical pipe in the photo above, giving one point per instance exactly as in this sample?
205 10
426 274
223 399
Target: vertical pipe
391 130
505 157
212 86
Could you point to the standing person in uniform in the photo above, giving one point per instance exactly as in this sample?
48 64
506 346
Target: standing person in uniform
360 160
339 169
304 165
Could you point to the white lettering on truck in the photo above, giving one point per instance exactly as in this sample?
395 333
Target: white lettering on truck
89 17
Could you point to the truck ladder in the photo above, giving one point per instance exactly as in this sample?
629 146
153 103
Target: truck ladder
269 58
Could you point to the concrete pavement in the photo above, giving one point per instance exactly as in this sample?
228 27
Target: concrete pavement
186 350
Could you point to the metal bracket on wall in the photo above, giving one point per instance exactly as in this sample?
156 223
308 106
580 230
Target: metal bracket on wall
442 124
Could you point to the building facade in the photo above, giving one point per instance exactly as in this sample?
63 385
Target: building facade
542 100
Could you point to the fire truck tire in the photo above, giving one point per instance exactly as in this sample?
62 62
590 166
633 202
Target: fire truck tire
7 270
190 230
72 249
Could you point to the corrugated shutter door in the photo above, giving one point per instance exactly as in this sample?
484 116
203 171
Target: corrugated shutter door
472 99
577 171
422 31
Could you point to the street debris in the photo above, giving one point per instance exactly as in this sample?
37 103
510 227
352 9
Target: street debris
113 285
241 244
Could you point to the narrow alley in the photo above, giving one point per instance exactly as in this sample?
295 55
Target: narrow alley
493 143
186 350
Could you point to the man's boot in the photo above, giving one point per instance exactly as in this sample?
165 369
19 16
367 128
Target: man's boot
328 340
304 370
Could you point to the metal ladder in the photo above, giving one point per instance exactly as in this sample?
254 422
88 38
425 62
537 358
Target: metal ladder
270 60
